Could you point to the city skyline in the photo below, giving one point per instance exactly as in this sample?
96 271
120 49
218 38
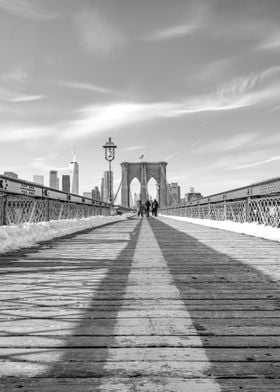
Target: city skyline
196 85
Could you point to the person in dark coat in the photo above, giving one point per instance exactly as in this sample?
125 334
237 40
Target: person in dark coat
147 208
154 207
140 208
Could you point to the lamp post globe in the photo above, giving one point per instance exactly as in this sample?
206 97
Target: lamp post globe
109 148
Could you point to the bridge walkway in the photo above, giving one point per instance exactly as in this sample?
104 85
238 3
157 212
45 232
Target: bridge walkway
142 305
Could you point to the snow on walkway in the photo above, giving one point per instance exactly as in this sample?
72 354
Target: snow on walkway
29 234
253 229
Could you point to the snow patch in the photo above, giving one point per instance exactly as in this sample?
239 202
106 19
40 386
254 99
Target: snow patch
253 228
29 234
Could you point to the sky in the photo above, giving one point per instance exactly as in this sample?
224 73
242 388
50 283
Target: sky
194 83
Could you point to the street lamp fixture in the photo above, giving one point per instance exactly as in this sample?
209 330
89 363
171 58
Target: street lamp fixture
109 148
158 192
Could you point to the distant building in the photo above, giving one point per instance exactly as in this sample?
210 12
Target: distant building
66 183
106 186
174 193
75 175
102 190
192 195
87 194
96 193
54 180
11 175
38 179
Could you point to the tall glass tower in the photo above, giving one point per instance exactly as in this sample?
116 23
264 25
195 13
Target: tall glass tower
75 175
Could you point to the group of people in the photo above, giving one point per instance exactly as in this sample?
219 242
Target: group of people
146 207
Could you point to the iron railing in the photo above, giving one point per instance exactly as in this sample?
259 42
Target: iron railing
22 201
258 203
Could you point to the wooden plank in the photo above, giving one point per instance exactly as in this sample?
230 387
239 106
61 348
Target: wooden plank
93 341
193 369
141 384
148 354
100 316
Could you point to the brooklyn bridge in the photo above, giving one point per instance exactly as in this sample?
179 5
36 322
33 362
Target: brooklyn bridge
141 304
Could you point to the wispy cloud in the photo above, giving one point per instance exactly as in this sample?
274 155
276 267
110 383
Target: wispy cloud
181 151
88 87
17 133
236 142
134 148
174 32
275 109
193 22
27 98
212 71
98 36
256 164
239 93
272 42
10 96
171 156
13 87
246 84
15 76
28 9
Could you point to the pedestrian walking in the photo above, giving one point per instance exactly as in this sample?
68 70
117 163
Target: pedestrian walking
154 207
140 209
147 207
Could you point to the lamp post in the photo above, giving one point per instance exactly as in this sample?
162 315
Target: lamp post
110 147
158 193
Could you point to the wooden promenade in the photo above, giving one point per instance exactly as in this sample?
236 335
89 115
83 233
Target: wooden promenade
152 305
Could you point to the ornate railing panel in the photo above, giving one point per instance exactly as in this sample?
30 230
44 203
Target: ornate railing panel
258 202
236 211
265 211
22 201
2 201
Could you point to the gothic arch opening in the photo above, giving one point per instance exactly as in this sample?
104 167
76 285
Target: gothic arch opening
152 189
134 192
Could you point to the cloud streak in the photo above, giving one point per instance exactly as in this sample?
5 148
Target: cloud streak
19 133
239 93
27 98
194 22
236 142
134 148
30 9
10 96
87 87
272 42
246 84
256 164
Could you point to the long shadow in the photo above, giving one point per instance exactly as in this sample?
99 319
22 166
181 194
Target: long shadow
233 306
21 257
85 350
97 328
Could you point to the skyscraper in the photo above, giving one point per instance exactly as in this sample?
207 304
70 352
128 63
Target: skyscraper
95 193
75 175
106 186
66 183
54 180
102 190
38 179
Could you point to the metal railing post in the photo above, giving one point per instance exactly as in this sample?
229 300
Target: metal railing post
247 209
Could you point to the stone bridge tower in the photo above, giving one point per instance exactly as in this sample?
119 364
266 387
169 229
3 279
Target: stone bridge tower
144 171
